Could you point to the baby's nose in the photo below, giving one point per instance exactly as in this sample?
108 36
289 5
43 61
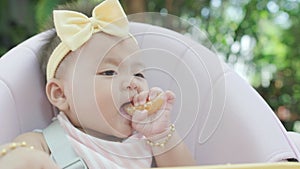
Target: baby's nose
132 85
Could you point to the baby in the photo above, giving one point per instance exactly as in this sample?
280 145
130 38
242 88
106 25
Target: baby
94 77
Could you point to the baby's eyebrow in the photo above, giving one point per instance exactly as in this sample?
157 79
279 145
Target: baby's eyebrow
140 64
111 61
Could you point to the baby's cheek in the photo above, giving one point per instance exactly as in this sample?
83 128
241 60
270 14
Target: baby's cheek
144 86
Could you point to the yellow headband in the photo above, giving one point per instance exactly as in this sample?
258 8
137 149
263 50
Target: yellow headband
74 29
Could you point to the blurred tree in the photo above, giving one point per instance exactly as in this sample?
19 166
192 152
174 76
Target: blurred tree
134 6
44 10
16 22
257 38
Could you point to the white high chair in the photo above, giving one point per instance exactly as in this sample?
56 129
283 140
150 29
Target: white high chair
222 119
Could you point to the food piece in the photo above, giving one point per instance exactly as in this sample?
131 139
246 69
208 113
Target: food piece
151 106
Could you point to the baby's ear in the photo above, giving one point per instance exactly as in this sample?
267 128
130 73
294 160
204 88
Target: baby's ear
56 94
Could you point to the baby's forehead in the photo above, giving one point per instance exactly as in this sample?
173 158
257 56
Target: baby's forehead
105 48
103 40
102 44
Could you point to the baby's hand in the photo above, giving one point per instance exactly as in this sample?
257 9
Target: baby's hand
158 122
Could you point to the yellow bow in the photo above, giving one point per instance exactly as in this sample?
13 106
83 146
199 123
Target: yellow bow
74 29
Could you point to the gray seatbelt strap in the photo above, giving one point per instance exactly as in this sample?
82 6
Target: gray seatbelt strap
61 149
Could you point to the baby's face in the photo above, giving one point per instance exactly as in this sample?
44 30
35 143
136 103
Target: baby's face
105 75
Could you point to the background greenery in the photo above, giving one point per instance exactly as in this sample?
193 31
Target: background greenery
258 38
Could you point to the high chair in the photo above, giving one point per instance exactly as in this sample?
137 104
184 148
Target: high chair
220 116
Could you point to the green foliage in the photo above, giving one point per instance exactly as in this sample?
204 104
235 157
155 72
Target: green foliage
16 23
44 11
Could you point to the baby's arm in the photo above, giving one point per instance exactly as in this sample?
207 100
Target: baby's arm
174 153
34 139
157 129
19 153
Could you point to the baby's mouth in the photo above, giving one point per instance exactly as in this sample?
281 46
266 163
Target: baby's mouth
123 111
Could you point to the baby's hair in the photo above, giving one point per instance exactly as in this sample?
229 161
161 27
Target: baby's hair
82 6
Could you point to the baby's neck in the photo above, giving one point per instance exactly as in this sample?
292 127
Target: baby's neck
101 135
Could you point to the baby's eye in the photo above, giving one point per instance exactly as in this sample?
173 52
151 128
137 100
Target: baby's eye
139 75
108 73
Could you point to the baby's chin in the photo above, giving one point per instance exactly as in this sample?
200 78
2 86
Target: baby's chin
124 133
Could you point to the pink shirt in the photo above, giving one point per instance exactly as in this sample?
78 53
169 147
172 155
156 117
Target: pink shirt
98 153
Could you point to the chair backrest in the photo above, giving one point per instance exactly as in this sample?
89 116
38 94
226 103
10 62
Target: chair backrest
222 119
23 104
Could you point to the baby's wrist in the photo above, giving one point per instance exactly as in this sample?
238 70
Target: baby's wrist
13 146
161 139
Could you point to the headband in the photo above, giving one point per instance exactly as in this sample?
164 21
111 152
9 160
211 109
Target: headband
74 29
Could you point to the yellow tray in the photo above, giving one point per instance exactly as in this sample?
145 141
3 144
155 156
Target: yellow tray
281 165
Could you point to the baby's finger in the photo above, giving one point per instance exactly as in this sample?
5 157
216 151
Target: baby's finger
135 100
169 100
139 116
170 96
139 98
154 92
142 97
